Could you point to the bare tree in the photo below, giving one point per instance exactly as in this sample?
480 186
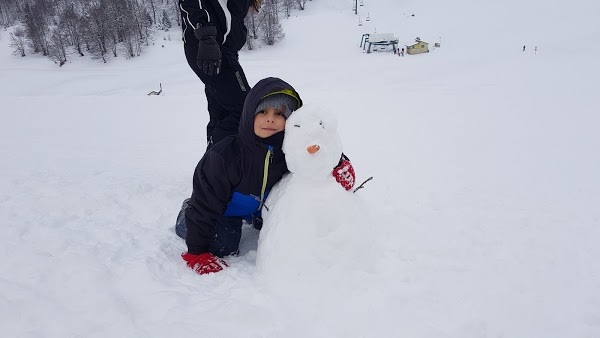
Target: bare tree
97 31
118 27
301 4
122 18
5 19
144 24
72 23
165 21
18 41
269 22
153 7
251 22
176 11
288 5
58 45
37 27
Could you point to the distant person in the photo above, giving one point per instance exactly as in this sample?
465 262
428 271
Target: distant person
523 47
535 50
213 34
402 52
234 177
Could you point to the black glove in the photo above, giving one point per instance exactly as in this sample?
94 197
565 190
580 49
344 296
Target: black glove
209 53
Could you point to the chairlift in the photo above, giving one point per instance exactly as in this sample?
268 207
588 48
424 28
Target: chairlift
359 21
362 3
368 17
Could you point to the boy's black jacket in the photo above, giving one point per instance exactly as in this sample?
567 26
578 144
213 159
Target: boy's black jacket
229 177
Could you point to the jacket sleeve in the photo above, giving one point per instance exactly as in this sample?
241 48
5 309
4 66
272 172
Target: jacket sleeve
194 12
211 194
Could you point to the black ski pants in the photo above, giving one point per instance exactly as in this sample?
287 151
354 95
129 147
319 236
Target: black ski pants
225 92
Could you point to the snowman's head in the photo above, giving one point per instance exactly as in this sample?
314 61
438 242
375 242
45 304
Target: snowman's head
312 145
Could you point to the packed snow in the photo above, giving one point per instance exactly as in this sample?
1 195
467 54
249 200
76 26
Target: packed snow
315 238
482 216
312 226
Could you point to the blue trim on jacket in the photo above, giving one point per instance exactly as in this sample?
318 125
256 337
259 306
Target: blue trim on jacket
243 205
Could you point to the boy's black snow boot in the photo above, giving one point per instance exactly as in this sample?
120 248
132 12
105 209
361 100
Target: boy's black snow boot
257 223
180 226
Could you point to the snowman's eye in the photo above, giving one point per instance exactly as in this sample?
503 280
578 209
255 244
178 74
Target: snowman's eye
297 125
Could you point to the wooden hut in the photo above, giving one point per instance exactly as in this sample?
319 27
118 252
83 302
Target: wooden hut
418 48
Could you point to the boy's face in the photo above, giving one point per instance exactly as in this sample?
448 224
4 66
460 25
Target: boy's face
268 122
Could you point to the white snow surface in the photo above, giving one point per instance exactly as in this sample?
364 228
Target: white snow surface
482 215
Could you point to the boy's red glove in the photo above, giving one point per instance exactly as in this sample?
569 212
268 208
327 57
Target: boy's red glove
344 173
204 263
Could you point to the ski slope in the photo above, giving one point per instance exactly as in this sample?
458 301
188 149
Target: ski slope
484 200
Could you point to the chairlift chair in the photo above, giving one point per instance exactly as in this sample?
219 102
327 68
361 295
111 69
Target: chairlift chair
368 17
362 3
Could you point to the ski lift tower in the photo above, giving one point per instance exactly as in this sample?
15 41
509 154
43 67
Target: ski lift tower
355 7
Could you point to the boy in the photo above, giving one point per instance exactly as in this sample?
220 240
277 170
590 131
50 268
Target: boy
233 178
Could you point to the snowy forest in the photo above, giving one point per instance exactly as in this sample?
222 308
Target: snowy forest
62 29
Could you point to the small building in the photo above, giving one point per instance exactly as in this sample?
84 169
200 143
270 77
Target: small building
418 48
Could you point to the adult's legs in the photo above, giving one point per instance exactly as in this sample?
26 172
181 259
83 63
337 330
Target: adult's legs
225 93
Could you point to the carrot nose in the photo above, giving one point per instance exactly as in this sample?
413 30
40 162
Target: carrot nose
313 149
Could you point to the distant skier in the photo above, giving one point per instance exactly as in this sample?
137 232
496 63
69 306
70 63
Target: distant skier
234 177
523 47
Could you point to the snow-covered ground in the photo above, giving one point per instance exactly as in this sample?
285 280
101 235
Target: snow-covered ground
484 199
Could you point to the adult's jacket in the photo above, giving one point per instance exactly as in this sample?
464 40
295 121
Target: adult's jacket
235 175
227 15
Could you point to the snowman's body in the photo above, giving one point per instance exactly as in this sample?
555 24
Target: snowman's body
311 224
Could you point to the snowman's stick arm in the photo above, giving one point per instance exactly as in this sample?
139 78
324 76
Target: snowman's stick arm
362 184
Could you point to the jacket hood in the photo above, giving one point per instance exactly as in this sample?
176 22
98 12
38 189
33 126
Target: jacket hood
261 89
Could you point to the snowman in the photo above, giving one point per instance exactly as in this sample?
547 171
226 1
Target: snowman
312 225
